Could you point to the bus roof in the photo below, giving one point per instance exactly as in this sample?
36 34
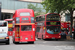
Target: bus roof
8 19
2 21
25 24
18 11
47 14
23 10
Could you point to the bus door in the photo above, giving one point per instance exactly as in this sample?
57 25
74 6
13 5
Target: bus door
26 33
17 32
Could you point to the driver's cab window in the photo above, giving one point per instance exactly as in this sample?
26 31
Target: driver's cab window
26 27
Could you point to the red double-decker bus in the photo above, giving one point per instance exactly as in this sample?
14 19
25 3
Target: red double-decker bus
23 26
66 27
48 26
10 25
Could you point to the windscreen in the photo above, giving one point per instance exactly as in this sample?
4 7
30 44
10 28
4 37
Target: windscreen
53 17
26 27
53 29
3 24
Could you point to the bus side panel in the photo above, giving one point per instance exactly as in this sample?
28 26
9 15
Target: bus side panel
33 30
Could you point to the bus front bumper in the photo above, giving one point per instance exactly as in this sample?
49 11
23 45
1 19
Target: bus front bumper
3 40
52 37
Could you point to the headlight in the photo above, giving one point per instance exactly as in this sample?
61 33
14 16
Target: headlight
7 37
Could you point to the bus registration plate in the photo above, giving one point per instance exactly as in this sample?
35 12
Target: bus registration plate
53 38
1 37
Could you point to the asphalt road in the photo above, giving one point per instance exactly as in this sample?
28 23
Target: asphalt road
40 45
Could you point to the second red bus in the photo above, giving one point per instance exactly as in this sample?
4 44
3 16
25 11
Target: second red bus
48 26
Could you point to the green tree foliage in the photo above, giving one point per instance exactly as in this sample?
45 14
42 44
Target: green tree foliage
31 6
60 5
37 11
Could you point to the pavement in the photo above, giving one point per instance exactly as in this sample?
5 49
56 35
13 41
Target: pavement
71 40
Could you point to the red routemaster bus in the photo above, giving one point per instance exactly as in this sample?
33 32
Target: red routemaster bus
48 26
23 26
10 25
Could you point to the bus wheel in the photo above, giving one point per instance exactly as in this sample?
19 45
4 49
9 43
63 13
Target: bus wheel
37 37
7 42
56 39
15 42
42 37
31 42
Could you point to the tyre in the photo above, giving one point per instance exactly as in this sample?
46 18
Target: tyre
37 37
7 42
15 42
31 42
56 39
42 37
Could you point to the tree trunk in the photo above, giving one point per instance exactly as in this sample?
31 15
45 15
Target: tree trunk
71 12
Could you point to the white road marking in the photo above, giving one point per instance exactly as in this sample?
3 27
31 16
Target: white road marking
45 42
34 46
36 39
64 47
21 49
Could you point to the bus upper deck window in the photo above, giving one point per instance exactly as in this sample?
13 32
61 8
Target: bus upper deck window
24 14
17 20
32 19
